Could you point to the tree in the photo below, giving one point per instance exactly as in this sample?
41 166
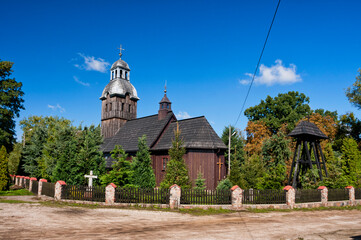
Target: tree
143 175
351 162
121 174
257 132
285 108
237 146
176 171
14 158
353 93
252 173
4 176
348 126
225 184
11 102
200 182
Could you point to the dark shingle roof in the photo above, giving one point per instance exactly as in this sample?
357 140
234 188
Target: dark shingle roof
128 135
307 129
196 133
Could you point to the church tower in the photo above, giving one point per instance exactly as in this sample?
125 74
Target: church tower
119 99
164 106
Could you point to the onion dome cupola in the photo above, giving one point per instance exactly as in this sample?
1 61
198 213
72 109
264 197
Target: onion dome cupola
119 99
165 106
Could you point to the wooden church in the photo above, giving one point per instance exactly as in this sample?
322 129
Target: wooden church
120 126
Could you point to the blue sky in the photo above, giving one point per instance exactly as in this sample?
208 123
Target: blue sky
205 50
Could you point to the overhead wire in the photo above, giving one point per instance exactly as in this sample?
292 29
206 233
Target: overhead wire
259 60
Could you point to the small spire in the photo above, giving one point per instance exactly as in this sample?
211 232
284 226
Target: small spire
120 51
165 87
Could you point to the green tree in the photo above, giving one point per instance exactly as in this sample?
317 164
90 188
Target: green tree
121 174
4 176
143 175
11 102
225 184
14 158
252 173
351 161
353 93
336 178
285 108
237 146
348 126
176 171
200 182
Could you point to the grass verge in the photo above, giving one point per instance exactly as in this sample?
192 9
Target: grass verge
13 201
358 207
18 192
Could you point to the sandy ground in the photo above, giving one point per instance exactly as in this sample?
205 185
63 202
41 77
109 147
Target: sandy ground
35 221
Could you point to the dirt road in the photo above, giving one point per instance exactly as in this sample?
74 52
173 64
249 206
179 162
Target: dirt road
35 221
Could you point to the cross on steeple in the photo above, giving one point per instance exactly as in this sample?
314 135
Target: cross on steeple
120 51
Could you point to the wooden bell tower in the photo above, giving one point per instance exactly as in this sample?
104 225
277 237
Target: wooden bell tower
308 137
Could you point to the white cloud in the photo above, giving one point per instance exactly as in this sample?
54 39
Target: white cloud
182 115
80 82
57 107
92 63
275 74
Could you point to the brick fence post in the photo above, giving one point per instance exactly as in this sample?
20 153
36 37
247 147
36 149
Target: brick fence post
237 195
110 194
175 195
40 186
351 195
31 183
324 195
17 180
58 189
290 196
21 180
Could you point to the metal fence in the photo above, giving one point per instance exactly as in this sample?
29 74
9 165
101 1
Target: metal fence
192 196
35 187
338 194
48 189
308 195
266 196
27 183
142 195
84 193
357 193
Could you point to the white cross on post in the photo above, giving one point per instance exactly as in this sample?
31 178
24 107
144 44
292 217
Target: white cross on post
90 178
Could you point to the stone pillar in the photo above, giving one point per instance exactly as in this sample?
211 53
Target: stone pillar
237 196
58 189
110 194
31 183
17 180
324 195
40 187
21 180
290 196
174 198
351 195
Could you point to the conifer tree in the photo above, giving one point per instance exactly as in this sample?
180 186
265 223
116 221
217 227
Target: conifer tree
14 158
121 174
4 176
200 182
176 171
143 175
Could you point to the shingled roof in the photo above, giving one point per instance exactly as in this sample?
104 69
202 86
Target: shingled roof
196 133
307 129
127 136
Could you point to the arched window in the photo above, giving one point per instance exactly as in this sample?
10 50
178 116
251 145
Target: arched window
129 108
126 75
106 107
110 106
121 73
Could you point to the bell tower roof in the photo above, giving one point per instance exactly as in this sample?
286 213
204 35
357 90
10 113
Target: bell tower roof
165 106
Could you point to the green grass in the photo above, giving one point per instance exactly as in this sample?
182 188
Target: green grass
19 192
13 201
203 212
358 207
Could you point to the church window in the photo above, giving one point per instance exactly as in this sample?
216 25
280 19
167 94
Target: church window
167 106
106 107
121 73
126 75
164 163
110 106
129 108
122 107
116 72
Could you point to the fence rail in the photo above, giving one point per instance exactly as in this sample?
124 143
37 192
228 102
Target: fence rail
308 195
357 193
265 196
141 195
85 193
48 189
35 187
192 196
338 194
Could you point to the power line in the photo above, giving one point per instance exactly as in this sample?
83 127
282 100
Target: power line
259 60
